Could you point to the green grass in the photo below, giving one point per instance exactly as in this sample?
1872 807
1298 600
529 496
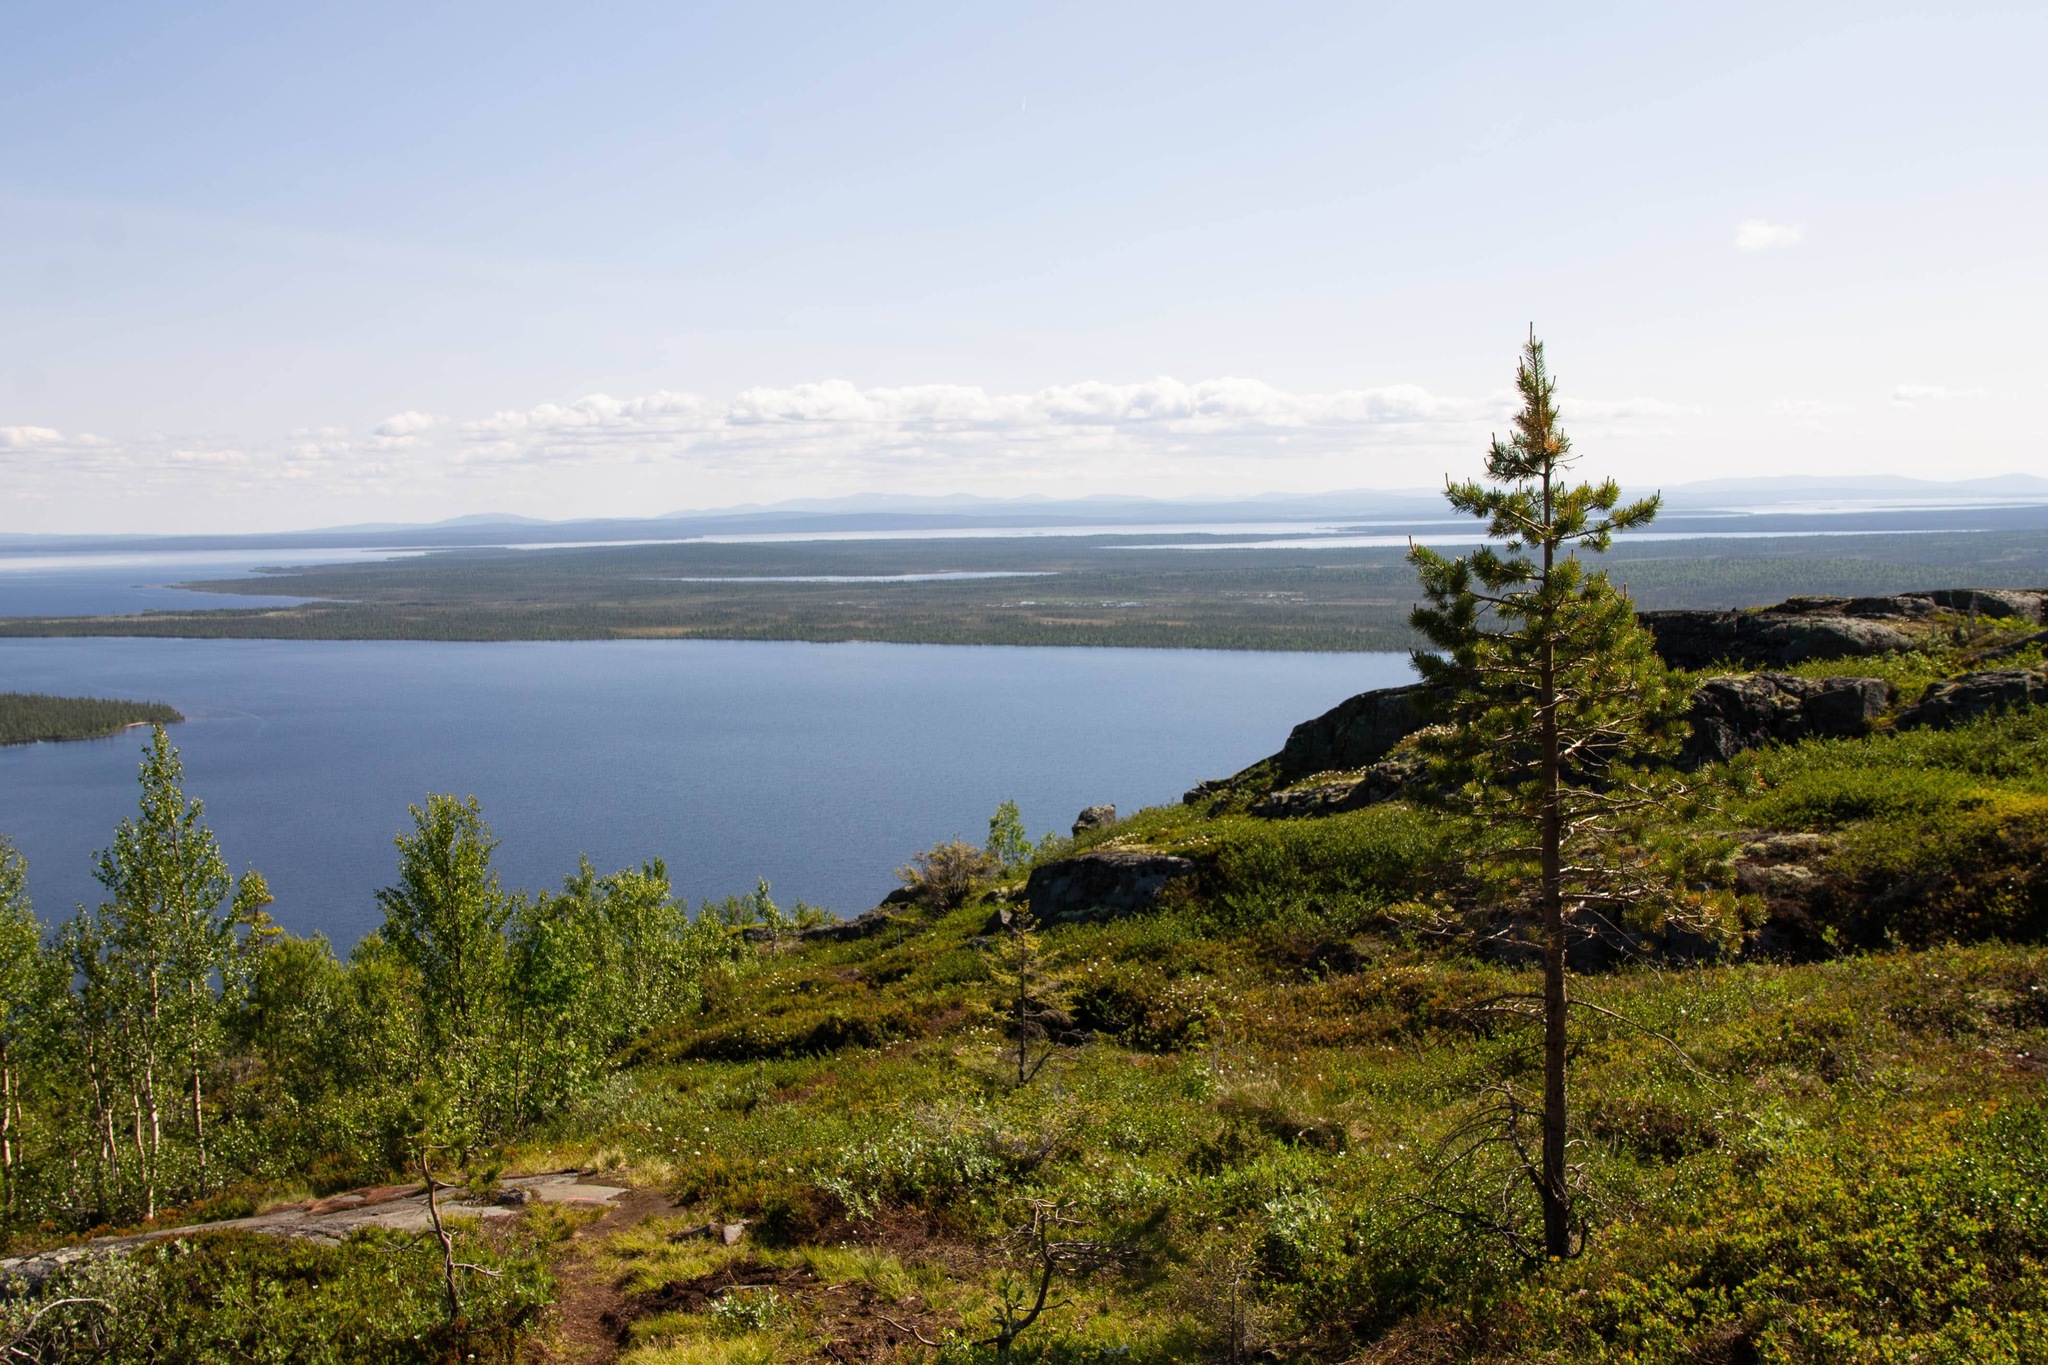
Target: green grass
31 717
1271 1146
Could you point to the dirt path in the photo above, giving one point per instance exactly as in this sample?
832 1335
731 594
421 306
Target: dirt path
586 1316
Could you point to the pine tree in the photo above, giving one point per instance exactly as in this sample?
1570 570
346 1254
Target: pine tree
1554 699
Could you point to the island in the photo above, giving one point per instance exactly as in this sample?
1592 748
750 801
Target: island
33 717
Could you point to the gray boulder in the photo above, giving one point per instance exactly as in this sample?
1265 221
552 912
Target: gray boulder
2025 604
1103 884
864 925
1390 779
1700 639
1730 715
1976 694
1095 817
1353 734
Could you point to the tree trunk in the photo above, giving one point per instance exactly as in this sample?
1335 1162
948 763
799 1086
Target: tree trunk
1557 1233
7 1111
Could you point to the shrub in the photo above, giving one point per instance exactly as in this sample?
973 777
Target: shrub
226 1298
1330 874
945 875
1887 1243
1969 874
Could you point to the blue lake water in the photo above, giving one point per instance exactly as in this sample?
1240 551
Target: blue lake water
820 767
118 583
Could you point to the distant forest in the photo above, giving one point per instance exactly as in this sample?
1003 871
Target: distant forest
1169 592
31 717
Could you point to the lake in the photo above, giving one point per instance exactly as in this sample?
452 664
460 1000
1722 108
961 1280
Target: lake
819 767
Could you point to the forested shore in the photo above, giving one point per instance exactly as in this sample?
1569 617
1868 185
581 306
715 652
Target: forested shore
36 718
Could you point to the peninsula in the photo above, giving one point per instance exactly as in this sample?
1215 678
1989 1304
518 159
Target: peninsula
35 718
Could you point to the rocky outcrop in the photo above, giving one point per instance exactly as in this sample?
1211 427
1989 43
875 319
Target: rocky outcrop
2021 646
1700 639
1730 715
393 1208
1094 818
1102 884
1353 734
2022 604
865 925
1785 871
1802 628
1390 779
1976 694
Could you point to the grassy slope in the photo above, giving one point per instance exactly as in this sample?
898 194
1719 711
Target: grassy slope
1831 1160
30 717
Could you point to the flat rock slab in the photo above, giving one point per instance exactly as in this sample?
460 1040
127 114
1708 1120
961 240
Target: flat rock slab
400 1208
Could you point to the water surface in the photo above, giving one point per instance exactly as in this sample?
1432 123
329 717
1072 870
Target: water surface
820 767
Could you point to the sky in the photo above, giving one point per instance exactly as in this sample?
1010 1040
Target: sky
273 266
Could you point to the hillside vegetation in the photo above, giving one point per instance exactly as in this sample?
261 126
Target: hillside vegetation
1264 1114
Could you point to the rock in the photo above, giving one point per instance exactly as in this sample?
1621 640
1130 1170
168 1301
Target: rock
1784 870
1700 639
1730 715
1202 791
1101 884
1095 817
1976 694
2017 646
902 895
2024 604
727 1234
1390 779
1002 918
1353 734
1799 638
864 925
514 1196
1910 606
1325 798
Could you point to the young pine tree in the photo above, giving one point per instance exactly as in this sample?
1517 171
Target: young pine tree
1553 697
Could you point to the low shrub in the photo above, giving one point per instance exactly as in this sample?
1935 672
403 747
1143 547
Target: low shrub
1331 874
1883 1242
228 1298
1969 874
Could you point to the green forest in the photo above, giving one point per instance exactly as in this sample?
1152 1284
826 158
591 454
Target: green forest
33 718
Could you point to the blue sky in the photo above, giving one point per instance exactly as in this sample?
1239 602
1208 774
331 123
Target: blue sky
274 265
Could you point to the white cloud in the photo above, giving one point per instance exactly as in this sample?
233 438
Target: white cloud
1910 394
1160 433
1760 234
406 424
29 438
1808 407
